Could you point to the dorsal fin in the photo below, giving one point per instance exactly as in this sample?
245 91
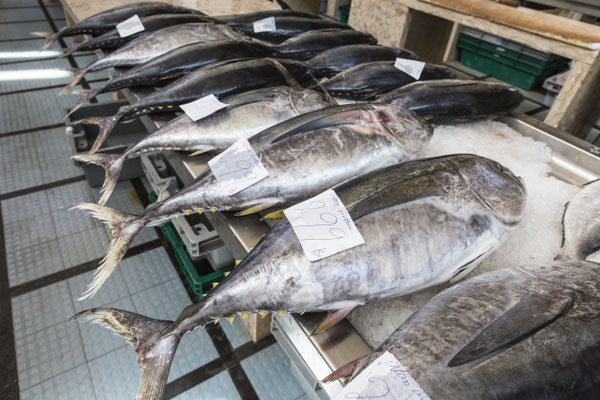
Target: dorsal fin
527 317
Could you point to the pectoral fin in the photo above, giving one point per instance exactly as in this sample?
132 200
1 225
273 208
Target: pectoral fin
332 318
255 209
275 215
524 319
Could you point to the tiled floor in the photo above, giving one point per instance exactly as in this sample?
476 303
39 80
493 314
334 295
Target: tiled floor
58 358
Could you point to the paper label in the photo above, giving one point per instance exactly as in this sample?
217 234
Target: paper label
130 26
323 226
264 25
385 379
237 167
411 67
203 107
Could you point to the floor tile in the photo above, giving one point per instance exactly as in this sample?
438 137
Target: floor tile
20 167
117 366
35 71
33 262
269 373
29 232
48 353
67 196
75 384
113 289
68 222
53 154
219 387
22 31
18 3
235 332
147 270
84 246
21 14
98 340
23 207
41 308
123 198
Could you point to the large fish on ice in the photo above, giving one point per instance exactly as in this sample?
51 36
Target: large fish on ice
424 222
303 159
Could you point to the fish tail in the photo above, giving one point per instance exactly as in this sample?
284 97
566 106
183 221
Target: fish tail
50 37
66 53
124 228
153 340
89 94
106 125
112 164
78 74
346 370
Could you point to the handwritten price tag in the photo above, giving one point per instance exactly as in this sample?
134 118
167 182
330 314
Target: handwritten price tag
385 379
323 226
237 167
203 107
264 25
411 67
130 26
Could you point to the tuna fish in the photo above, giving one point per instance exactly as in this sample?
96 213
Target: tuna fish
157 43
112 39
424 222
302 159
375 78
219 80
107 20
247 113
455 101
258 15
338 59
307 44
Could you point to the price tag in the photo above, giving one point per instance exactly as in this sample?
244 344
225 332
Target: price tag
237 167
130 26
203 107
323 226
264 25
385 379
411 67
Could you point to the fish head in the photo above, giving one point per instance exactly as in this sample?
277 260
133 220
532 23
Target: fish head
495 186
404 128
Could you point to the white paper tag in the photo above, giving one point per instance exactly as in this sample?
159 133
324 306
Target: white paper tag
203 107
264 25
411 67
237 167
385 379
130 26
323 226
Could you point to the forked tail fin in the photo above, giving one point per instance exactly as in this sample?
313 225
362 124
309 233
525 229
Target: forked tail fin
78 74
89 94
106 124
66 53
346 370
124 228
50 37
112 164
150 338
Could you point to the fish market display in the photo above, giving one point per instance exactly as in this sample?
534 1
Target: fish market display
153 45
247 114
338 59
424 222
455 101
258 15
220 80
107 20
307 44
368 80
302 160
286 27
112 39
526 332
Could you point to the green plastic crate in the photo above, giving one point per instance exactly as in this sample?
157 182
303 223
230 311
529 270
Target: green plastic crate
344 13
200 284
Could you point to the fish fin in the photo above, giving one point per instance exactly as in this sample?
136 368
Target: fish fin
275 215
254 209
112 164
285 73
346 370
50 37
89 94
326 92
283 5
525 318
106 125
155 351
201 150
332 318
124 228
78 74
66 53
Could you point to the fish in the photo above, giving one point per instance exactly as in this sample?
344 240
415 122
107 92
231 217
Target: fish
287 27
423 222
147 47
219 80
301 161
369 80
453 101
338 59
258 15
305 45
179 62
113 40
107 20
247 113
527 332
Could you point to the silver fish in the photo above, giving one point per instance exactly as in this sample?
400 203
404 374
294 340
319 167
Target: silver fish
302 159
424 222
153 45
